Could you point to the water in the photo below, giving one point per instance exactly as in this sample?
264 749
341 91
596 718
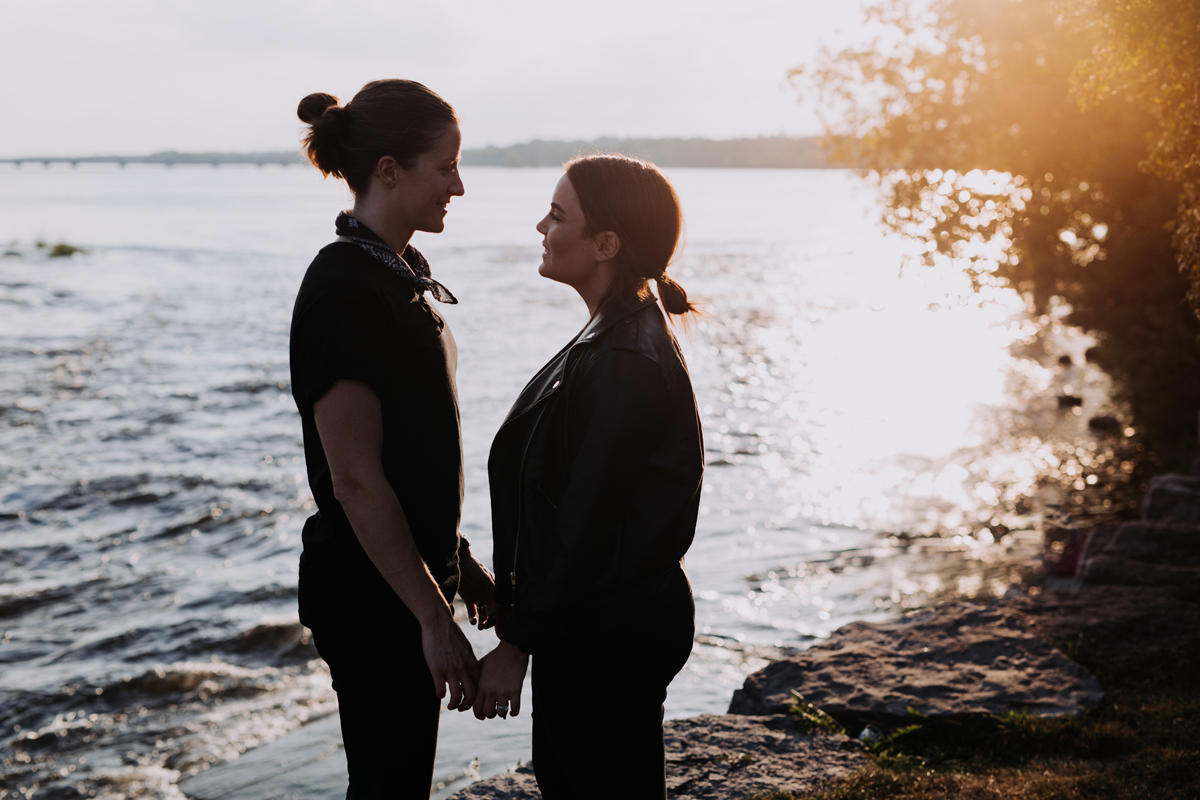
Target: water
152 488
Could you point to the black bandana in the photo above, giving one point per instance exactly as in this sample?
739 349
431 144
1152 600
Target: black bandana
411 266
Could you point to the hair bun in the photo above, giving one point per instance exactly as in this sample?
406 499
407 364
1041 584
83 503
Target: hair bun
313 107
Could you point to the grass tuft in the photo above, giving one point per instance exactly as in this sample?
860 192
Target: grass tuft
809 718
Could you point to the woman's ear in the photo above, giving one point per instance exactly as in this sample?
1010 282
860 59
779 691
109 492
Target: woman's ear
608 244
388 171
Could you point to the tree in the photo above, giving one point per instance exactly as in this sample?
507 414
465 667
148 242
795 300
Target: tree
1150 50
989 159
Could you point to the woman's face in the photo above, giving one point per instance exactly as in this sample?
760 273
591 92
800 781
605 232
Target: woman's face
425 189
568 256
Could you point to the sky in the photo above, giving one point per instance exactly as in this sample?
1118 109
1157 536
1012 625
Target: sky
85 77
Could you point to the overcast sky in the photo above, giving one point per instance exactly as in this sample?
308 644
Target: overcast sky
85 77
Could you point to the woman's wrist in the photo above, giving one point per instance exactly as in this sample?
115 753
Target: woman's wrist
433 613
510 650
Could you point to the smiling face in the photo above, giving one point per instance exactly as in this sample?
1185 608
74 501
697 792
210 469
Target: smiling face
569 255
423 191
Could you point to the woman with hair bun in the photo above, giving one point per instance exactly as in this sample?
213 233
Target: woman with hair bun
373 376
595 482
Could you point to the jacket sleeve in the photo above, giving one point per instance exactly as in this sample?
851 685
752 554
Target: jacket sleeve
615 412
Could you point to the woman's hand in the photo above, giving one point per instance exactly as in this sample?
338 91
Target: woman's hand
477 588
502 675
450 658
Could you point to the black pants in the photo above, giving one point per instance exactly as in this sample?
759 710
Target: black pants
598 705
386 700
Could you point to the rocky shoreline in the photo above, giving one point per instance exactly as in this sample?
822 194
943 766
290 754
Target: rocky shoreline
1128 587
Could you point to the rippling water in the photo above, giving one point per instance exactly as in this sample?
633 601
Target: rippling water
152 488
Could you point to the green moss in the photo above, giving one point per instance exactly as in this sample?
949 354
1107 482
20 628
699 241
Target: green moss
63 250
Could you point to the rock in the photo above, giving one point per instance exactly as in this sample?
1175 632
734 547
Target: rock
734 756
714 756
1169 543
517 785
1106 569
1143 554
1105 424
1172 498
945 661
1097 540
1062 548
1111 620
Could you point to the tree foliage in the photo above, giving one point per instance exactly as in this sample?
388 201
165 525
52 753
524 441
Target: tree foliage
971 109
1149 50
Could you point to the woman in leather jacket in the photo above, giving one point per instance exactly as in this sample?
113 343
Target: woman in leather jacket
595 484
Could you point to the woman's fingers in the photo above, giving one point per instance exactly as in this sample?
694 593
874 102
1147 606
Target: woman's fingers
485 617
456 693
485 706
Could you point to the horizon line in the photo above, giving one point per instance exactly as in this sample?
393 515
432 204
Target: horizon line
254 156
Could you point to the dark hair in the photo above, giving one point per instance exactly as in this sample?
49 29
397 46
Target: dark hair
633 199
396 118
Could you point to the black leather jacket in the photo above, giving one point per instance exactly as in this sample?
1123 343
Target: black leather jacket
595 478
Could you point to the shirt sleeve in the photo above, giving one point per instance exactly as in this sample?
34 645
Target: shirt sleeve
339 337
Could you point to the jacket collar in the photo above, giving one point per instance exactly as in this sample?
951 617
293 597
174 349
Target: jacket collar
610 314
550 377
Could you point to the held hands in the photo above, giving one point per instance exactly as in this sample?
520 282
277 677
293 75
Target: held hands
450 659
502 674
477 588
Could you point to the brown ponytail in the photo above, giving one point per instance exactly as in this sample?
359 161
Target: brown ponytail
633 199
673 297
396 118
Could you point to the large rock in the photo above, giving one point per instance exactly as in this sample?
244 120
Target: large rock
1172 498
736 756
946 661
1112 620
720 757
1143 554
517 785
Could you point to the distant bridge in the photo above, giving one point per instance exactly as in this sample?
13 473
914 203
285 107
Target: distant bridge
170 158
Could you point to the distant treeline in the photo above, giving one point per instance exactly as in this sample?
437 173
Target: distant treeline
766 152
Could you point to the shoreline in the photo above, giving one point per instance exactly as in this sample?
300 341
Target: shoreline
1061 660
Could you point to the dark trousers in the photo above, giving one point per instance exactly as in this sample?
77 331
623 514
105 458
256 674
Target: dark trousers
385 697
598 706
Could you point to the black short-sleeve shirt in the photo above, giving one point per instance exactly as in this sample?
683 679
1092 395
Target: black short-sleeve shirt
356 319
